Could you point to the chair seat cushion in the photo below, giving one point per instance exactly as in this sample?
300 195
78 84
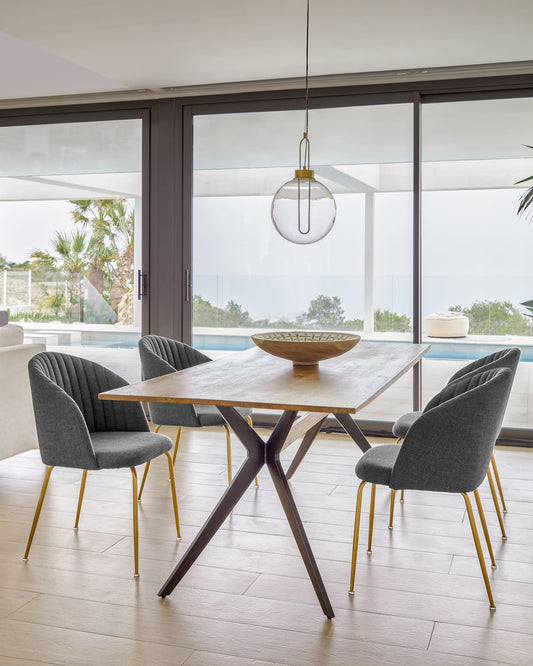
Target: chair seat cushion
210 416
127 449
376 464
402 425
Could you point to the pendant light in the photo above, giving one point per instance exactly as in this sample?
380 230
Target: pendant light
303 209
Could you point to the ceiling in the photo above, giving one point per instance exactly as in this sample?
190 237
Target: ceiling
60 48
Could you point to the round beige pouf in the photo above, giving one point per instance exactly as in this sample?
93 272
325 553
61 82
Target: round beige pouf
446 325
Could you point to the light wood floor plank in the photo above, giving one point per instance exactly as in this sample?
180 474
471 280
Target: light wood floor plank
211 659
247 601
64 646
12 599
248 640
15 661
504 646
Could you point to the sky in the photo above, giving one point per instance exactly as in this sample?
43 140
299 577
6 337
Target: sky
474 248
29 225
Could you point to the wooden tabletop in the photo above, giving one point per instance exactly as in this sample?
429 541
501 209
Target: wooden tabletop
256 379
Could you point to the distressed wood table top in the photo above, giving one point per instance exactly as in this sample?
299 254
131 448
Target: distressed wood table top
256 379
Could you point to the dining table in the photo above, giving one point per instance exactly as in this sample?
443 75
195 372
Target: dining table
305 396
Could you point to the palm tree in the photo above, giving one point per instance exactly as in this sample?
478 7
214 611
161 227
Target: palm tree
527 198
69 259
110 246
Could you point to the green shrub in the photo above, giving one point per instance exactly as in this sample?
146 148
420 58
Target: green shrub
495 318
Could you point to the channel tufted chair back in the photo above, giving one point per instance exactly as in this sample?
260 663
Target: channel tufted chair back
161 356
66 385
447 449
75 429
503 358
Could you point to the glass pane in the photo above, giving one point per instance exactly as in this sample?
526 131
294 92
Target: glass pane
476 249
70 216
248 278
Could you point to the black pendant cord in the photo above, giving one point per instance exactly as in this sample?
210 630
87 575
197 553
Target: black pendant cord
306 127
306 123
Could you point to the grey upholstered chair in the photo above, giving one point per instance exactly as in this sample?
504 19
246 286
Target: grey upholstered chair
161 356
447 449
503 358
76 429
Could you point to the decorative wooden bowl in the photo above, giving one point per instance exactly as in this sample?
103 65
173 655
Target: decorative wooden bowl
306 347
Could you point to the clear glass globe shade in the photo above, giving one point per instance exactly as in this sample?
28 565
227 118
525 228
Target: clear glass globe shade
317 211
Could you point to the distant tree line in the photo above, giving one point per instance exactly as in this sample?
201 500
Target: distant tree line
495 318
326 312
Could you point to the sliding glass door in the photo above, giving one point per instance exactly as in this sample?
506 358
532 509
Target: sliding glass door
246 277
477 267
70 220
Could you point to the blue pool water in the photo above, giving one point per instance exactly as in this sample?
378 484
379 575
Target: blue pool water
460 351
441 350
472 351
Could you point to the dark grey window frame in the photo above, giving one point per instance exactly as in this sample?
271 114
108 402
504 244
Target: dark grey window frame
415 93
167 180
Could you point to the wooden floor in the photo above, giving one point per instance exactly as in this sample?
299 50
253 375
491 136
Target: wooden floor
419 597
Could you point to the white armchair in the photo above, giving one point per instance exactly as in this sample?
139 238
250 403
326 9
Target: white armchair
16 410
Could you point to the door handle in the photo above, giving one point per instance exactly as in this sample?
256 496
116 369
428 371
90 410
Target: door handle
142 284
188 285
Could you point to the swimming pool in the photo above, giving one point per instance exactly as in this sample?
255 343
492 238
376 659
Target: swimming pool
461 351
456 350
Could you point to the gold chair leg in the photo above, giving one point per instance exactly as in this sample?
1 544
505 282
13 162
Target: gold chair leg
392 498
38 510
228 451
135 521
251 424
496 504
146 468
80 498
497 477
399 441
478 549
371 517
228 448
356 533
174 496
176 444
485 528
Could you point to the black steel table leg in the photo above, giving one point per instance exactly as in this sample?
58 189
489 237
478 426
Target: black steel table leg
352 429
259 453
289 506
304 447
241 481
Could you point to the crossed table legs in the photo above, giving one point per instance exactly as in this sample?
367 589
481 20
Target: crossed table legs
260 453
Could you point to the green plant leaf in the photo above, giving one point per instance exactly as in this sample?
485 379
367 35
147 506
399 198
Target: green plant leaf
525 201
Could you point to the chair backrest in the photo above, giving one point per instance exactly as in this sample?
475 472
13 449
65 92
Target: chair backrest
503 358
65 392
161 356
449 446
